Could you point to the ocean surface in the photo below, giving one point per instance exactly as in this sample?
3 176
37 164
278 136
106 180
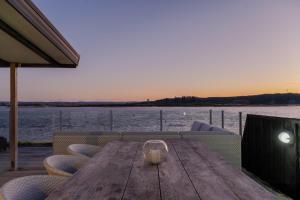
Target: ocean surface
38 124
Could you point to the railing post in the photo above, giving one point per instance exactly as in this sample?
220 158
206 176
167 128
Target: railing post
111 120
210 117
161 120
60 120
240 123
85 119
13 126
222 116
297 160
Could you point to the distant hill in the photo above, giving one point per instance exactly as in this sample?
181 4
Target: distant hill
252 100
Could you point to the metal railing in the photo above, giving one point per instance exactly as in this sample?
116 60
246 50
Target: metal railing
161 127
41 124
223 121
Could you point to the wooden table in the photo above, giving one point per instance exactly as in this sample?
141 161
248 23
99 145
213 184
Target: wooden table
190 172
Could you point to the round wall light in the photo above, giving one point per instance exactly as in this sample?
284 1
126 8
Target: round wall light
286 137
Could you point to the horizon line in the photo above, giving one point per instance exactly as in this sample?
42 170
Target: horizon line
133 101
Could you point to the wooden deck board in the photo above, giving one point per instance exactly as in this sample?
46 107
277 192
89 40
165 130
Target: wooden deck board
208 184
244 186
31 159
143 182
118 172
174 179
106 178
30 163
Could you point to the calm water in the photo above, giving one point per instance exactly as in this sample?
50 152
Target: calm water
38 124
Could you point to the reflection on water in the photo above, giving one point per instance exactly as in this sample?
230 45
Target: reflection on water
38 124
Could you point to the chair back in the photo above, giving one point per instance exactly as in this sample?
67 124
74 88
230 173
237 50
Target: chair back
30 187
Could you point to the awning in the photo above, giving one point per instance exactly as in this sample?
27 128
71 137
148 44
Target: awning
27 37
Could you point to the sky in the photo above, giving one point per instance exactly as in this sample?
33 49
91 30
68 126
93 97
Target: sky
135 50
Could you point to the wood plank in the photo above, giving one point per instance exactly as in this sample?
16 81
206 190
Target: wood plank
244 187
208 184
174 181
192 171
143 182
104 177
30 163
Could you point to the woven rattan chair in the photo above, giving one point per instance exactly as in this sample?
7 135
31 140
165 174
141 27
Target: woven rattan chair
30 187
83 150
63 165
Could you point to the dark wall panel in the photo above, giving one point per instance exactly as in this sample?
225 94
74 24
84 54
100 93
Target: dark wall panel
268 158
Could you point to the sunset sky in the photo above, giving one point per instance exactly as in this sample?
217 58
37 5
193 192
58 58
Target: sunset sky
151 49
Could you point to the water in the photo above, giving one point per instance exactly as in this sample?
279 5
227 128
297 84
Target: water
38 124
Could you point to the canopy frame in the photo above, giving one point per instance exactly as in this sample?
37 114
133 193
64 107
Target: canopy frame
29 40
13 33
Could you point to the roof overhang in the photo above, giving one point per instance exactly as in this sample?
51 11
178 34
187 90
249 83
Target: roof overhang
27 37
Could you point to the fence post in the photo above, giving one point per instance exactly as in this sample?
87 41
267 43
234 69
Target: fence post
222 115
240 123
210 117
111 120
161 120
297 160
60 120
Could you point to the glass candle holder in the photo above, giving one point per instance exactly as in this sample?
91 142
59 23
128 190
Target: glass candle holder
155 151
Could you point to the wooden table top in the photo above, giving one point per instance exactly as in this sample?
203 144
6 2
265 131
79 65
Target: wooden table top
191 171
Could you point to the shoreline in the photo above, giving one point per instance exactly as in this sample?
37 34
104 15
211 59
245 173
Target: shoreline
151 106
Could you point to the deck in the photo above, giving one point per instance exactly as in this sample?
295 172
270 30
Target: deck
191 172
30 162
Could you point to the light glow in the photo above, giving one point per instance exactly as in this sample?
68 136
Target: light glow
285 137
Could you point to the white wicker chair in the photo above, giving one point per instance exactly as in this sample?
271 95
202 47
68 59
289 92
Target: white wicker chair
30 187
83 150
63 165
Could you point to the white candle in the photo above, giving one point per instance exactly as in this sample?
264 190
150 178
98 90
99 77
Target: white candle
155 156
